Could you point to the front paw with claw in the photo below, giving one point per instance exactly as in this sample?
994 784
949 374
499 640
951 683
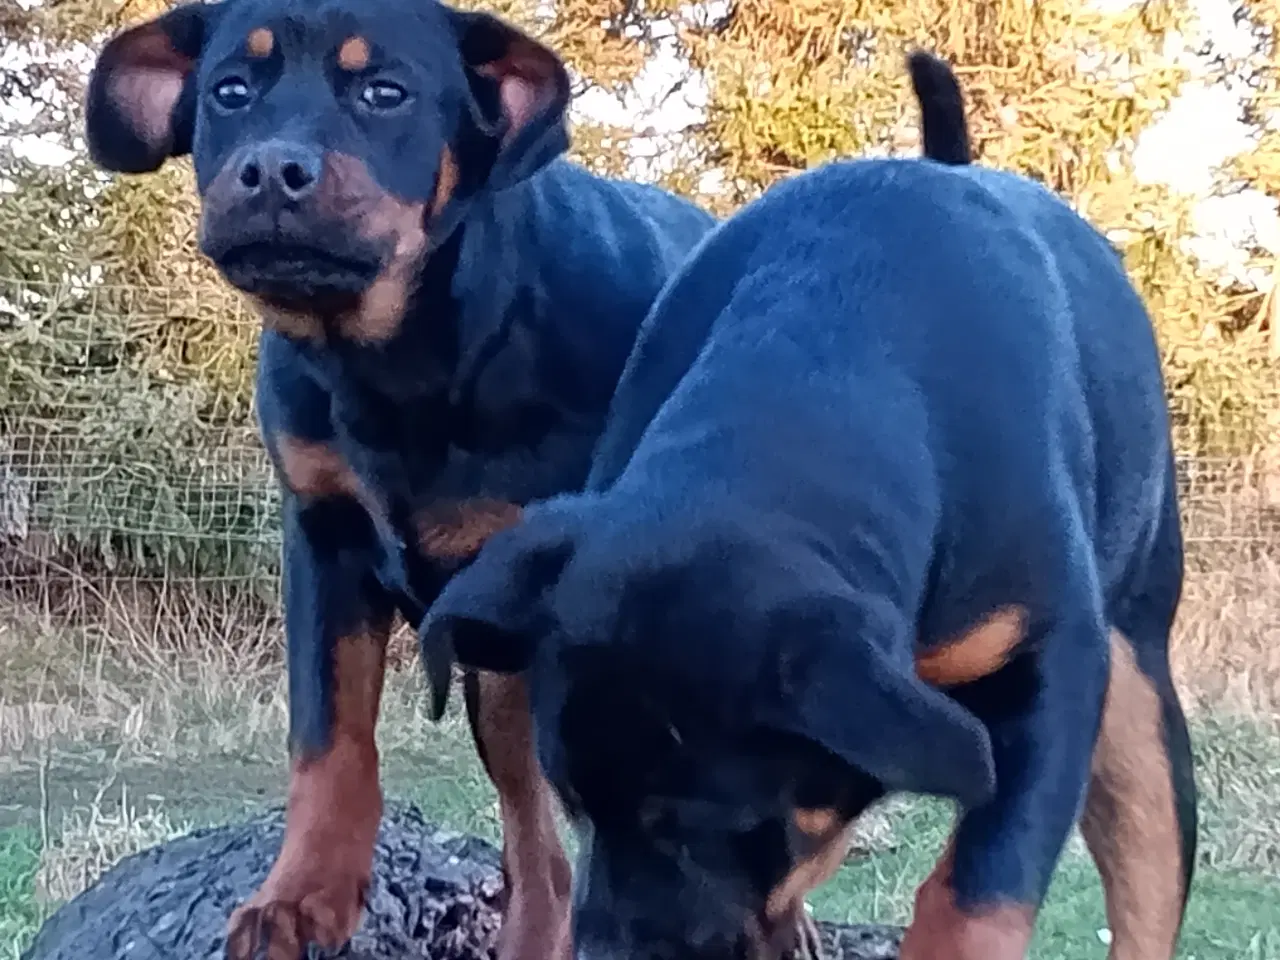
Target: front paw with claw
283 918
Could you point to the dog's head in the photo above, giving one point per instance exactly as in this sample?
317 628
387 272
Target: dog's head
702 694
335 142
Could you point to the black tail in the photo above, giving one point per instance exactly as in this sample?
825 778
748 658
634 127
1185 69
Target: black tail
942 122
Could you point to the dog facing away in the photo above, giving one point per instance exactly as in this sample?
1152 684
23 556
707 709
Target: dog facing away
885 503
447 307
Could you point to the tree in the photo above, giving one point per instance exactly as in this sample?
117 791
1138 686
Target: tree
121 347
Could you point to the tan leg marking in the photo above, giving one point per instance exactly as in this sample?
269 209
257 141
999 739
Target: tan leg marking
787 927
1130 820
316 888
315 470
940 930
536 921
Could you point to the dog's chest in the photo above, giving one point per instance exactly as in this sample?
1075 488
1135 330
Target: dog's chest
441 469
431 504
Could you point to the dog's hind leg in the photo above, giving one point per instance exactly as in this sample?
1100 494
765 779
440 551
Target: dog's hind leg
536 915
1043 709
1140 817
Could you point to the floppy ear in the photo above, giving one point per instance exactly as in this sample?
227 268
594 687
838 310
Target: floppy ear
140 103
521 95
843 687
491 614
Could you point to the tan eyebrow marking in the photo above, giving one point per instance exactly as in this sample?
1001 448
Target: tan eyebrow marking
353 54
260 42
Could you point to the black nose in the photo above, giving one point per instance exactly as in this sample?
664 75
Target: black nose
289 170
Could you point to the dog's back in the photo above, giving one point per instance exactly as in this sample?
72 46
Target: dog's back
889 470
998 372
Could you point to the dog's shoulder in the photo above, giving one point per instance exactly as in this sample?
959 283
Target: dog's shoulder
585 256
584 212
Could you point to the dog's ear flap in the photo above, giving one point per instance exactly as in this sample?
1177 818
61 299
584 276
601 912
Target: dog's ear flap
521 95
140 103
491 614
845 687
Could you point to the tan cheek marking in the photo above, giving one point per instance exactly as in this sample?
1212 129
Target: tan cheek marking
383 305
260 42
350 194
977 653
1130 820
314 470
458 531
354 53
446 182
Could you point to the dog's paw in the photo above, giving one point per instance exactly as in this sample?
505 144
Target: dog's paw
280 921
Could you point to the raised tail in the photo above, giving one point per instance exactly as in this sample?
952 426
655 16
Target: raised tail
942 121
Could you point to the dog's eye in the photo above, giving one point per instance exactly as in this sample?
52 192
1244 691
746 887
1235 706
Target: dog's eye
383 95
231 93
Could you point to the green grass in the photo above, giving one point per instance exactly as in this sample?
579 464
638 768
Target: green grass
1232 915
19 913
123 754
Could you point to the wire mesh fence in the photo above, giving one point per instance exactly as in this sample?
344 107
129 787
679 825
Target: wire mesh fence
129 454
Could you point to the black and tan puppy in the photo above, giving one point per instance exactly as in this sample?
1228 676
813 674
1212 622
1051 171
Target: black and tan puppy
885 503
448 306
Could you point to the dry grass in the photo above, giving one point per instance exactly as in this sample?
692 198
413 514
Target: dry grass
90 841
157 692
98 707
185 675
1226 650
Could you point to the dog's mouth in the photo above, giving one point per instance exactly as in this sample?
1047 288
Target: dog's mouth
296 274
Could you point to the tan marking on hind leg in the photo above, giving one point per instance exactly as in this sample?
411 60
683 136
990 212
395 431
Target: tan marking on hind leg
1130 820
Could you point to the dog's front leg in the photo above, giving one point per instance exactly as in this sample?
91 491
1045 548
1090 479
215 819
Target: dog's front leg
981 900
337 624
536 916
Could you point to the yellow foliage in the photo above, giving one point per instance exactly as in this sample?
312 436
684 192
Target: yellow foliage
1055 90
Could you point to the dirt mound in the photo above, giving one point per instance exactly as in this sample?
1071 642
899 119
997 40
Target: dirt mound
433 897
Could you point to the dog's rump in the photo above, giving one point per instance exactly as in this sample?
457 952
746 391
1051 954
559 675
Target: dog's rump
942 364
